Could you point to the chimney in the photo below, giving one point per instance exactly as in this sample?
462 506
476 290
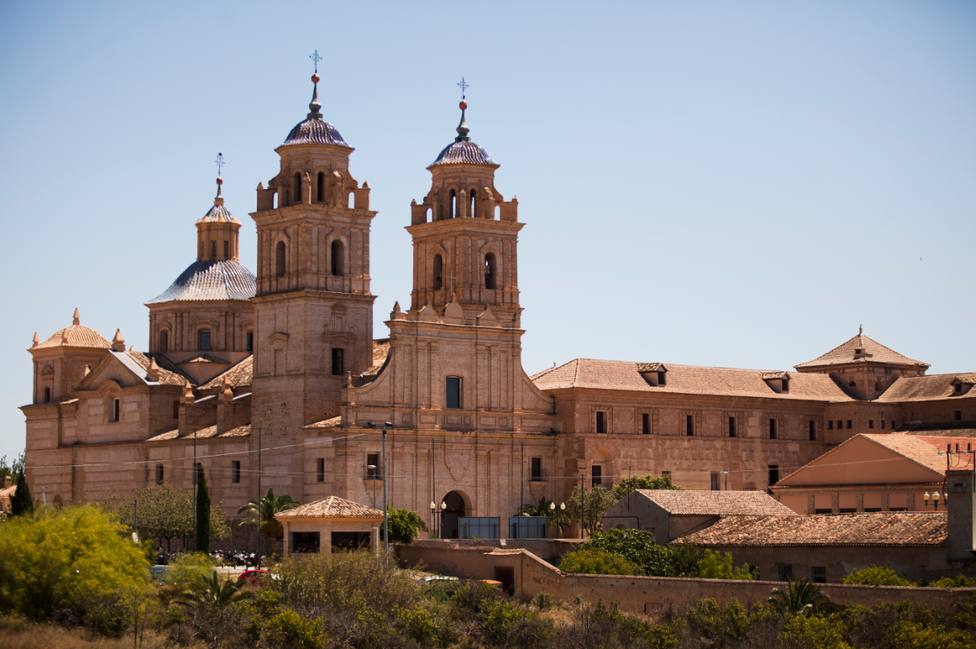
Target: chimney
225 407
961 504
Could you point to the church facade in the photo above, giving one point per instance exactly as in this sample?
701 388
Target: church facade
274 380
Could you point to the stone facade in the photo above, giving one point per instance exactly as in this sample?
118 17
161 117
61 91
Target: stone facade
275 380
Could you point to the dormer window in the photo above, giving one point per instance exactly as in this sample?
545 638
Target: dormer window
655 374
963 384
778 382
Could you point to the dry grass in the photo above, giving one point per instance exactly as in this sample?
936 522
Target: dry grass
17 633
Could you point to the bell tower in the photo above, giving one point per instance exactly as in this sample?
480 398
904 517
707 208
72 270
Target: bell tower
465 234
313 305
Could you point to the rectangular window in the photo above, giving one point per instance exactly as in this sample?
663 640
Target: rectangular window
159 474
249 342
646 423
596 475
226 250
536 472
840 424
870 423
824 510
784 572
320 469
338 361
732 431
772 428
689 425
601 421
883 424
958 415
830 424
454 392
203 340
773 474
116 410
850 424
818 574
176 410
715 481
373 466
812 430
235 471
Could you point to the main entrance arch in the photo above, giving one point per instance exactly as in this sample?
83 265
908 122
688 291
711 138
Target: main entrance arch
450 515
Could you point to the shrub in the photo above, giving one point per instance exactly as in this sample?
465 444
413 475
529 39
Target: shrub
76 564
419 624
715 624
877 576
813 632
956 581
718 565
405 525
508 625
186 570
605 627
629 485
289 629
596 561
637 546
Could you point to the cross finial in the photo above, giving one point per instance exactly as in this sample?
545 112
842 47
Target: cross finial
315 59
463 85
860 330
220 165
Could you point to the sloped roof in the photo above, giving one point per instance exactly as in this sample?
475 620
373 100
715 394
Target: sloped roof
210 280
238 376
861 349
927 388
207 432
685 379
75 335
167 373
331 422
218 213
463 152
331 507
714 503
862 529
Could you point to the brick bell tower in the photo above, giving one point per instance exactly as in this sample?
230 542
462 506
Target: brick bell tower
465 235
313 306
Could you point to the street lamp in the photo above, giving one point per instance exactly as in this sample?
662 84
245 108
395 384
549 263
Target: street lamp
433 517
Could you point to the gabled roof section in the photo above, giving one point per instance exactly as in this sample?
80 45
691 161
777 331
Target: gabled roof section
886 529
331 507
685 379
929 388
238 376
681 502
861 349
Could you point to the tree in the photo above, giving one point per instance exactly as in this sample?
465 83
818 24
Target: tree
555 515
77 563
11 467
629 485
261 512
405 525
877 576
637 546
588 507
165 515
595 561
211 590
813 632
21 502
719 565
798 598
202 513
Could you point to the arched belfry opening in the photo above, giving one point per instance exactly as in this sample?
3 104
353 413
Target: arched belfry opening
473 205
338 258
491 271
438 272
320 187
453 210
280 259
296 190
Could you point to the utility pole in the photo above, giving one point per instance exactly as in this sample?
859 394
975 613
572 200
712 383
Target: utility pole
195 491
582 494
386 517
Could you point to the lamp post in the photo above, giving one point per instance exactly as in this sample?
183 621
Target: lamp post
386 515
433 518
371 476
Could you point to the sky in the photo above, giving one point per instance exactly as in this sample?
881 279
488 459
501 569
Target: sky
726 184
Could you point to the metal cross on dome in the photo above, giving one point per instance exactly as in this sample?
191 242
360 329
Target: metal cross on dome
315 59
463 85
219 162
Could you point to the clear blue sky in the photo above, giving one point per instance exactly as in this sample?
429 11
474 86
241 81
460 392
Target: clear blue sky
734 184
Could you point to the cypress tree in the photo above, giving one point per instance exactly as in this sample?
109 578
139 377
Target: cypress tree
21 502
203 513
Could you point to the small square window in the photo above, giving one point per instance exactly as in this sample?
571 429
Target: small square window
958 415
454 392
850 423
830 424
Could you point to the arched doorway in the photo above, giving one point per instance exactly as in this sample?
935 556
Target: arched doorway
449 515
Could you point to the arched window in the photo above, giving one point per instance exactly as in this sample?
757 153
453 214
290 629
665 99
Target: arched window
338 258
320 187
47 395
473 207
213 249
490 270
438 272
453 203
296 196
163 341
280 253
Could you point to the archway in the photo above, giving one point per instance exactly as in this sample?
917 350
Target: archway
450 515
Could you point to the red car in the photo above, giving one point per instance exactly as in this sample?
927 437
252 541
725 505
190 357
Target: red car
252 576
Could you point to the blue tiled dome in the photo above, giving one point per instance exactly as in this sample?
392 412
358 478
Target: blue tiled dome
211 280
463 152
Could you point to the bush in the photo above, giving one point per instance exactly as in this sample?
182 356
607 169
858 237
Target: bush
604 627
186 571
637 547
813 632
718 565
877 576
629 485
509 625
405 525
595 561
713 624
289 629
956 581
75 564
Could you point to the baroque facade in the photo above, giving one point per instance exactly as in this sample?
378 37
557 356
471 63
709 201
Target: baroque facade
275 380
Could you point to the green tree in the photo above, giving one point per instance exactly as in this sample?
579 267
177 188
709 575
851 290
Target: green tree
629 485
719 565
877 576
956 581
813 632
202 513
165 515
798 598
637 546
557 516
21 503
405 525
212 591
11 467
260 513
588 507
76 563
595 561
185 571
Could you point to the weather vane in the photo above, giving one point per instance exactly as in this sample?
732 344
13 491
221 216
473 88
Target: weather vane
315 59
463 85
219 162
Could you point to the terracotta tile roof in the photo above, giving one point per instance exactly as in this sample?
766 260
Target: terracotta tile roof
922 388
208 432
331 422
860 349
927 450
381 351
210 281
76 336
164 372
332 507
238 376
715 503
685 379
866 529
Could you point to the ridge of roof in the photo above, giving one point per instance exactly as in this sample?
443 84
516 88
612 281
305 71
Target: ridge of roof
871 351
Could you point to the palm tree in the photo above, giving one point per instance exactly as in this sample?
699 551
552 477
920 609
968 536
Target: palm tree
261 512
798 598
211 591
